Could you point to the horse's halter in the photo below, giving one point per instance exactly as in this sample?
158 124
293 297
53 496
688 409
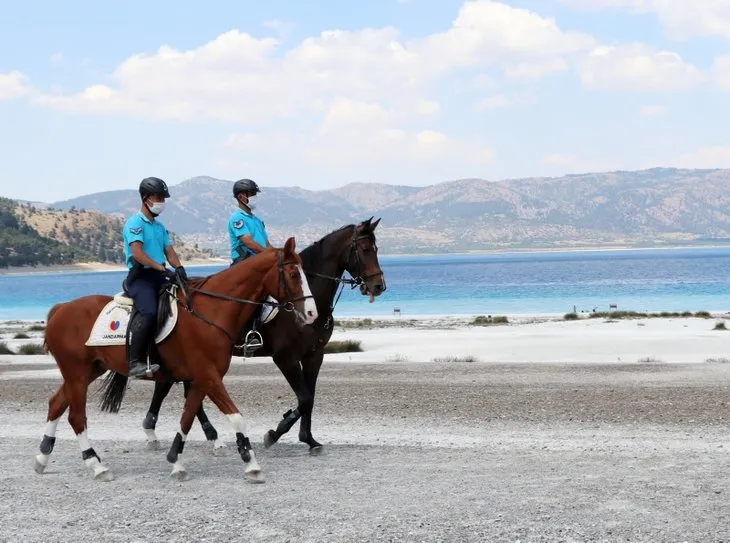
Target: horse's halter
288 305
358 280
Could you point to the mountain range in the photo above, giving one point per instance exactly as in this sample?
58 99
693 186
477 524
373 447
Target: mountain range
654 207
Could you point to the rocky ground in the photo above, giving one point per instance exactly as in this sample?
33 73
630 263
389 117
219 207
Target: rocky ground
413 452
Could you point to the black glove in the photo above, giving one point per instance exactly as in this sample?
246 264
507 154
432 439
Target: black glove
170 274
181 273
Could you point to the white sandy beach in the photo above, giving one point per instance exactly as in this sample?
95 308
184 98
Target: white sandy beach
525 339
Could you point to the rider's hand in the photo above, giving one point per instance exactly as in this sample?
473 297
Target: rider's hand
170 274
181 273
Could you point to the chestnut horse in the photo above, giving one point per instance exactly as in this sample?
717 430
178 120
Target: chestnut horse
298 352
198 350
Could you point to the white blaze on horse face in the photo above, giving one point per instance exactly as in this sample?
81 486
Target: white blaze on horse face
310 306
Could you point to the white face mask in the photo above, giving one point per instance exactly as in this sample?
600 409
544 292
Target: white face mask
156 208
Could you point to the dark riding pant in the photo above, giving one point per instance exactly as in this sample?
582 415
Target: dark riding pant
144 289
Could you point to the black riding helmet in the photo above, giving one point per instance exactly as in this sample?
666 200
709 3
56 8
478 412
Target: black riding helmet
244 186
153 185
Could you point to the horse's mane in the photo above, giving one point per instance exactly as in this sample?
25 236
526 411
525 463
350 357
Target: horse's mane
198 281
312 254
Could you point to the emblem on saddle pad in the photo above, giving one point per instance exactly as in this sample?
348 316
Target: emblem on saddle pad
110 327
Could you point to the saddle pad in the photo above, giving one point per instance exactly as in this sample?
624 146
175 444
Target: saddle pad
110 327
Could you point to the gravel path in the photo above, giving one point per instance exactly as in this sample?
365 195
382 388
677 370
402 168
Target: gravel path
414 452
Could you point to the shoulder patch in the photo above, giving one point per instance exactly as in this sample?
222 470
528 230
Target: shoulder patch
238 224
136 231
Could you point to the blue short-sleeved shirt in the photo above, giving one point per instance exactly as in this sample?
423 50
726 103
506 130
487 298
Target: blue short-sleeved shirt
152 234
240 224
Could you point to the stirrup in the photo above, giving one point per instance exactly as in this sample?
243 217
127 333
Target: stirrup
251 342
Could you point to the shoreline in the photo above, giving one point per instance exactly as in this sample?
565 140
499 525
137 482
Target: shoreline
95 267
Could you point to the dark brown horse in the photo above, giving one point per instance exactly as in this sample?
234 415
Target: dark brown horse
197 350
299 351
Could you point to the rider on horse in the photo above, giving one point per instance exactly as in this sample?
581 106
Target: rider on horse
246 232
247 235
147 247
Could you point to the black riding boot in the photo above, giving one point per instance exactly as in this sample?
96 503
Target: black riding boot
139 337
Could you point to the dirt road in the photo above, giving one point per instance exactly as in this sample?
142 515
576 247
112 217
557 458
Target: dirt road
414 452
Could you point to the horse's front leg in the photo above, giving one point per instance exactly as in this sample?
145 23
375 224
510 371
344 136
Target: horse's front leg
219 395
292 371
162 389
211 434
193 400
311 364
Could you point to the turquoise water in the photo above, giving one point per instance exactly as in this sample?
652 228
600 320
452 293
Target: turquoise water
507 283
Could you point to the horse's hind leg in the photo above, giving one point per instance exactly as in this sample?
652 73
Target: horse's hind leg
57 405
75 392
162 389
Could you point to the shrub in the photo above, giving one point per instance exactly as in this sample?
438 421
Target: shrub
31 348
720 325
347 346
21 335
4 349
571 317
455 359
481 320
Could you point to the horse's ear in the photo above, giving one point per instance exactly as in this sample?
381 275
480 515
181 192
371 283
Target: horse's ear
290 246
375 224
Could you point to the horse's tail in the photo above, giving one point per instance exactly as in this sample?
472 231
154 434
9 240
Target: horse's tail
48 319
112 390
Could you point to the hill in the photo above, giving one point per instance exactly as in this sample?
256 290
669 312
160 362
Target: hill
68 237
21 245
655 207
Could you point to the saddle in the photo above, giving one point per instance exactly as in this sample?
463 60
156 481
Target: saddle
163 303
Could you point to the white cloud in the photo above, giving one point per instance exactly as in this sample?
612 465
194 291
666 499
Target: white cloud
721 72
13 85
533 70
681 19
238 78
638 67
353 133
498 101
652 111
57 57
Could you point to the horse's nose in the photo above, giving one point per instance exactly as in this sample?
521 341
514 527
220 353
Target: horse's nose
378 289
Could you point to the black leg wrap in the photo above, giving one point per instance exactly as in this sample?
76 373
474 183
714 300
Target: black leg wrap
47 444
150 421
90 453
244 447
210 433
176 448
290 417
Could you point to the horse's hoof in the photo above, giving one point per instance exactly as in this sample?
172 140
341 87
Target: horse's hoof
104 476
153 445
219 448
316 450
38 466
179 475
269 439
254 477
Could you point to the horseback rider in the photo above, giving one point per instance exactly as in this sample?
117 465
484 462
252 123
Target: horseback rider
247 235
147 248
246 232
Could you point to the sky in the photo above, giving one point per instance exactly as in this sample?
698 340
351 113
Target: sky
95 96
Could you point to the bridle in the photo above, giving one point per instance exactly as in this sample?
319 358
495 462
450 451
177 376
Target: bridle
286 306
355 281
